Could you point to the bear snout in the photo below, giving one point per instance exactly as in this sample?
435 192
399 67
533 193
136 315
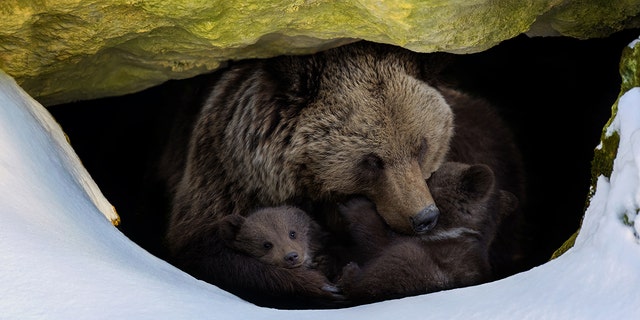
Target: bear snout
292 259
425 220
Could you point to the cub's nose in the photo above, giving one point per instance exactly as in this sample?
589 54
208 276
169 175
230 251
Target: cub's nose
291 257
425 220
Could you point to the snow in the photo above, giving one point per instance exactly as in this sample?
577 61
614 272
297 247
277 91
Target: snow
61 257
628 202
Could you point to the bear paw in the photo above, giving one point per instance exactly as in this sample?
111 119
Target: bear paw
350 274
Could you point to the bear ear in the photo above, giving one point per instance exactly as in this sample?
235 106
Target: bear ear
294 79
229 227
476 181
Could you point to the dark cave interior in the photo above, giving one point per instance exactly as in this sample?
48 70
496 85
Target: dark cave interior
556 94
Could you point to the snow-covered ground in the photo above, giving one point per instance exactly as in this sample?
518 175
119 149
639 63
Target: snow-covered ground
60 258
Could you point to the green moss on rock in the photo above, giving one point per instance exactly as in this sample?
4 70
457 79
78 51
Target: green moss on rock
565 246
602 163
585 19
604 155
60 51
629 70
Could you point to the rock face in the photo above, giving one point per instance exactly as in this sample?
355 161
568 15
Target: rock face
84 49
605 153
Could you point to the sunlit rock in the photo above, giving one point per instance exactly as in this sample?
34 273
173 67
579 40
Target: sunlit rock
60 51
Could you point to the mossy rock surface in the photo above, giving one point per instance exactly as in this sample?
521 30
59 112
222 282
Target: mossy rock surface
60 51
606 152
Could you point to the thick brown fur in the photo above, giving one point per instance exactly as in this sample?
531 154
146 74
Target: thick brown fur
255 281
351 120
454 254
305 131
482 137
311 131
284 236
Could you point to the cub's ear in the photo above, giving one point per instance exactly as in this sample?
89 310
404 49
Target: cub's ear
229 227
476 181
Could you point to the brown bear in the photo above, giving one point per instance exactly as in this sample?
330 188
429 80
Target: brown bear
311 131
284 236
280 237
307 131
454 254
271 257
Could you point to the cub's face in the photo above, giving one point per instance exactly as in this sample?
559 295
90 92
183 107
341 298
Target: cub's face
469 203
278 236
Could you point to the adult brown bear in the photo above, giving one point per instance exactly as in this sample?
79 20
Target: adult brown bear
308 131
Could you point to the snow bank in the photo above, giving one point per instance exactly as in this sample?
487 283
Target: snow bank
60 258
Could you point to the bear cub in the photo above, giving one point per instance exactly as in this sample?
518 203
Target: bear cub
387 265
280 236
278 250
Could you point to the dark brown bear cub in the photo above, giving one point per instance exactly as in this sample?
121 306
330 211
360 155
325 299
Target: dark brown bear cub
280 236
268 258
454 254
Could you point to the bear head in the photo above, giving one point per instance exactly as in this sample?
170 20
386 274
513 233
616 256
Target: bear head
280 236
374 129
469 203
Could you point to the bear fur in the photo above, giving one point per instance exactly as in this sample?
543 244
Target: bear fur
482 137
284 237
288 276
454 254
310 131
307 131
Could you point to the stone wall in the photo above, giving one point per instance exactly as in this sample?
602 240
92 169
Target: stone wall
61 51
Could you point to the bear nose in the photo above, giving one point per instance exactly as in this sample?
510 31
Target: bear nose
291 257
425 220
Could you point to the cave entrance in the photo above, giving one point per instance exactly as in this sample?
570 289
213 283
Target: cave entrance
556 94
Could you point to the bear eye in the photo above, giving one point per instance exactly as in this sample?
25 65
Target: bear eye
292 234
372 163
267 245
